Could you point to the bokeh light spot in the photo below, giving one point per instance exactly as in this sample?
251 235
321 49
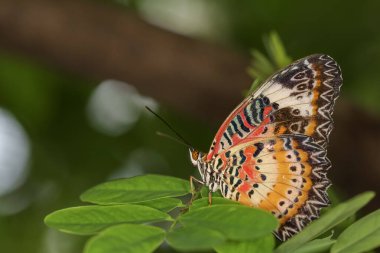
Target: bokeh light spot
14 153
115 107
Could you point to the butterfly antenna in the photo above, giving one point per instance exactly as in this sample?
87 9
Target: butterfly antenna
181 139
171 138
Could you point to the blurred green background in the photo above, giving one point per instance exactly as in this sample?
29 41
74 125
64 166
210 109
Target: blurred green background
63 131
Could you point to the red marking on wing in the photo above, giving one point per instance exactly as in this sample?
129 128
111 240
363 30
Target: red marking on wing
245 122
235 138
249 162
260 129
223 128
245 187
267 110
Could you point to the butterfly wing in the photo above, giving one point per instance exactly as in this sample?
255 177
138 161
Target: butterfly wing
285 175
296 100
271 149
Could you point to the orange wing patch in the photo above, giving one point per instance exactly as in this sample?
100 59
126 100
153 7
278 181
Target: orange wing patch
275 174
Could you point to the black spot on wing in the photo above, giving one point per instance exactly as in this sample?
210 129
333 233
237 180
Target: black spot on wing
225 190
259 147
287 143
286 78
243 158
247 116
234 160
229 131
233 123
227 138
241 123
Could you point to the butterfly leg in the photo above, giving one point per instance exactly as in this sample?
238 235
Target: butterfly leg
210 198
193 189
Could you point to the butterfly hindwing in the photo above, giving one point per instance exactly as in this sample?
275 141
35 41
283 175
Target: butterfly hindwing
285 175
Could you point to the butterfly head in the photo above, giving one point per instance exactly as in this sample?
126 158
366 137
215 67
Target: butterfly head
198 159
195 156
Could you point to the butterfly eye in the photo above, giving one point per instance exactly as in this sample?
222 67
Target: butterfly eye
195 155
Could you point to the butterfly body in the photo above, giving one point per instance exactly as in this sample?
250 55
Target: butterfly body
270 152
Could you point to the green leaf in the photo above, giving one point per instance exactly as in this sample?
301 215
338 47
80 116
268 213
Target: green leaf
205 191
262 66
362 236
276 50
326 222
126 238
260 245
236 222
194 238
316 246
203 202
165 205
255 85
85 220
136 189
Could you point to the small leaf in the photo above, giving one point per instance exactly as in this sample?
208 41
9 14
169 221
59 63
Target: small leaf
260 245
262 67
254 86
276 50
236 222
136 189
85 220
165 205
126 238
203 202
362 236
316 246
205 191
330 219
194 238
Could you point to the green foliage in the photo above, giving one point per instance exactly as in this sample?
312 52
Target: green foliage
135 189
263 66
203 202
84 220
126 238
331 218
189 238
262 245
224 227
228 220
317 245
361 236
165 204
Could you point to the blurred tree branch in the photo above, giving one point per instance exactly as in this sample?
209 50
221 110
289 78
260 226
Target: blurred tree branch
101 41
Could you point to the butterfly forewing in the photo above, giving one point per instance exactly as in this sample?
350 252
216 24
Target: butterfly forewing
296 100
270 151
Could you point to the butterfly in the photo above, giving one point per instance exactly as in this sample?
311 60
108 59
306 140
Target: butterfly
270 152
